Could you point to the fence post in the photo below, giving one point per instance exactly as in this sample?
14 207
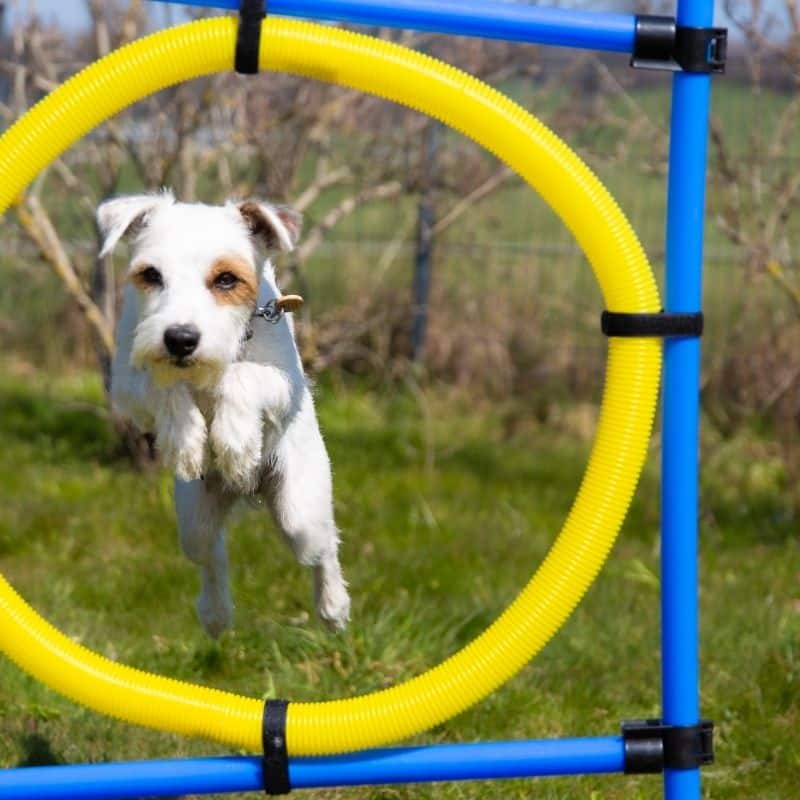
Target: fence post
5 86
423 262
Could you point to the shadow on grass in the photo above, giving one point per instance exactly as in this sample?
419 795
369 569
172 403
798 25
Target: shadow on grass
37 752
62 430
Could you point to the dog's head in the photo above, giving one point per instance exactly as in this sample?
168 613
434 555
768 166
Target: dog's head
194 270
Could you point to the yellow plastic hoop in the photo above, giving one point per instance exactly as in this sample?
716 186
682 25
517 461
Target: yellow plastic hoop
626 419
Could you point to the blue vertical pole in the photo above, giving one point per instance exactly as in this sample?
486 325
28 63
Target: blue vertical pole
679 541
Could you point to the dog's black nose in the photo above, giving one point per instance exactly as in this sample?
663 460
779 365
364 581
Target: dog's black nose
181 340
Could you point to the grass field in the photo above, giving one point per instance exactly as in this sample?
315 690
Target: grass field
444 516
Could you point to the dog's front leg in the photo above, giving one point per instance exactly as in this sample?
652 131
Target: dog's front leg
247 396
181 431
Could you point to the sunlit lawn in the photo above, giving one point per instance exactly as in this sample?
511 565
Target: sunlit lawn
443 517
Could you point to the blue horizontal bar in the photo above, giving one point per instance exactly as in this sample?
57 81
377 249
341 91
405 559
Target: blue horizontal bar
173 778
490 19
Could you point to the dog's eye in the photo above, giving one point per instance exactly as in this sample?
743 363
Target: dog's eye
151 277
225 281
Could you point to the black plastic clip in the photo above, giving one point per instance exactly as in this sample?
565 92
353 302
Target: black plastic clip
651 746
701 49
276 758
664 325
248 36
659 43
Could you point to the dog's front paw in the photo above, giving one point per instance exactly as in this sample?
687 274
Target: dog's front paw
185 459
236 440
181 441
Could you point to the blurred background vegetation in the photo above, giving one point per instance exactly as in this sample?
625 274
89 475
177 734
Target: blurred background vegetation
437 287
419 247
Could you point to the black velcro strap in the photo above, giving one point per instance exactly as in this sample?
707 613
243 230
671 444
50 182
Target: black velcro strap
248 36
664 324
276 758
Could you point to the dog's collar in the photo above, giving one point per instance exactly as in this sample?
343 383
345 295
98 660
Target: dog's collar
273 310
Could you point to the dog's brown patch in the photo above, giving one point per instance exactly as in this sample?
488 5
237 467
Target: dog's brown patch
141 276
243 292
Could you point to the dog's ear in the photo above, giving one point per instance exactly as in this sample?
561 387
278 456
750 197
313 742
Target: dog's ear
124 216
276 227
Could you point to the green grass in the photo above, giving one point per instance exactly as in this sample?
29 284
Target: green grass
444 518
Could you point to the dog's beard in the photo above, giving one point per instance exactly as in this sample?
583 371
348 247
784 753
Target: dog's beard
166 372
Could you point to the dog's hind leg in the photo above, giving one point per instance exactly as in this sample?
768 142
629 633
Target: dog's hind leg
315 544
201 508
330 590
300 498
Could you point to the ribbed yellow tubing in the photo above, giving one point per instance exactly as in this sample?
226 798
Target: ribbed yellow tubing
624 429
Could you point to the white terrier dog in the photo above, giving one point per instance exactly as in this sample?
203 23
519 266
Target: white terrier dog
223 391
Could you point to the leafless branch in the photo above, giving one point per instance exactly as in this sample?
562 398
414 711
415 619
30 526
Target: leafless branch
39 227
316 235
490 185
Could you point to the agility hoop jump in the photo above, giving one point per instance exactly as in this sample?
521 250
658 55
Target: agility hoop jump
628 407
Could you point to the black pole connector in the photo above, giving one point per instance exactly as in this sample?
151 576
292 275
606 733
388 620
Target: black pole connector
248 36
653 42
660 44
701 49
275 762
663 325
651 746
